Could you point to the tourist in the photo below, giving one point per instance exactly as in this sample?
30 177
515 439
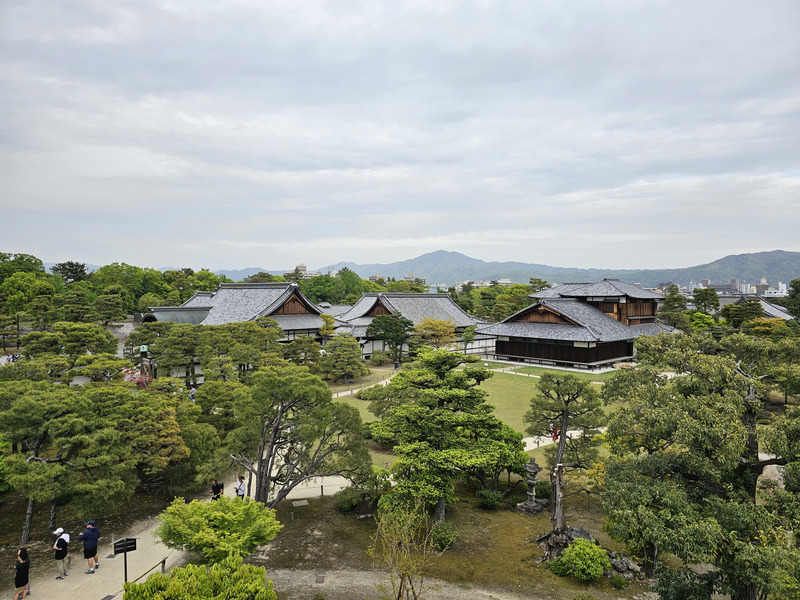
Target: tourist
21 577
61 551
91 538
217 489
240 488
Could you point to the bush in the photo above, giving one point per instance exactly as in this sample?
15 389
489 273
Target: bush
224 580
543 489
444 535
582 560
379 358
618 582
682 585
490 499
584 597
217 529
347 499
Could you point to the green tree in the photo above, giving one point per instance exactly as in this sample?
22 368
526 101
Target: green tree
19 263
70 271
83 338
706 300
304 351
343 359
686 462
289 430
792 301
443 427
436 332
225 580
100 368
262 277
217 529
404 544
742 312
394 330
572 407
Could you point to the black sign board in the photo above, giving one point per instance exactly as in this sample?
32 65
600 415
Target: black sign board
124 545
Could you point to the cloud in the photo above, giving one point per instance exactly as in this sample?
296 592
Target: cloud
242 133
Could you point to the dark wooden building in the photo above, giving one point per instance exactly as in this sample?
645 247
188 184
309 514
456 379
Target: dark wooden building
579 325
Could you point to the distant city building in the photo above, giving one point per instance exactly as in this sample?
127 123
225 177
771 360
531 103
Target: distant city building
302 271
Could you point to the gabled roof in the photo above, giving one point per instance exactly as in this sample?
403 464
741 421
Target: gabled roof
607 288
239 302
414 307
588 324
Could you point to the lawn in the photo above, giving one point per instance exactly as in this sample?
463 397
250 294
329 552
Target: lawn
511 396
585 375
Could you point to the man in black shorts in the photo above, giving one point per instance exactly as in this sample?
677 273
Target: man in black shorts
90 537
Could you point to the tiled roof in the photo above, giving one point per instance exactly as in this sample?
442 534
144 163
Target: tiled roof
591 324
607 288
180 314
414 307
239 302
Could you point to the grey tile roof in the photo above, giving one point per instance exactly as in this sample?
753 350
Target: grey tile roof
606 288
239 302
414 307
591 324
180 314
774 311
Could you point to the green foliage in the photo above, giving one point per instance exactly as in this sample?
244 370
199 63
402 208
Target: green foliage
288 426
444 535
490 499
706 300
343 359
683 476
618 582
379 358
583 560
225 580
682 584
584 597
392 329
347 499
217 529
440 419
543 489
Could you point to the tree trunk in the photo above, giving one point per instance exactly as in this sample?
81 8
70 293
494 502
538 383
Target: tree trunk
650 559
557 496
26 528
745 591
438 515
52 523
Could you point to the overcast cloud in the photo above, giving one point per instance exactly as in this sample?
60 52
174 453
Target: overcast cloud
230 134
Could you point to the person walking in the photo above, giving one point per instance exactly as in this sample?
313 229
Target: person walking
217 489
240 488
21 577
61 545
90 538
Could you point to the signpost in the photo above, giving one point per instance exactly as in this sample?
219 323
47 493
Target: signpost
124 546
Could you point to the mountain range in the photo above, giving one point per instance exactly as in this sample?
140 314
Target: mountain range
448 268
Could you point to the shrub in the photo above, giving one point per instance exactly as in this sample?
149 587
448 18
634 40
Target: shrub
217 529
379 358
682 585
347 499
543 489
226 579
618 582
582 560
444 535
490 499
584 597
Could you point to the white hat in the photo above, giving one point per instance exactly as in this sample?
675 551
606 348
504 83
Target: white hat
59 531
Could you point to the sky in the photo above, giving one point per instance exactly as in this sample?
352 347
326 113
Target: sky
254 133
